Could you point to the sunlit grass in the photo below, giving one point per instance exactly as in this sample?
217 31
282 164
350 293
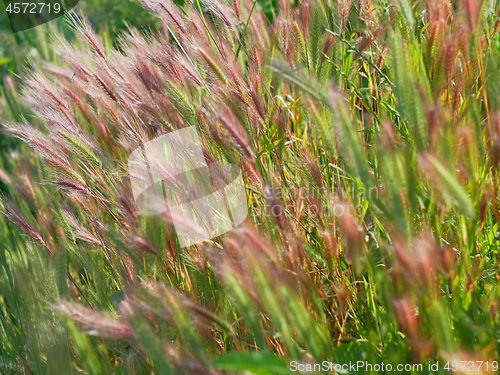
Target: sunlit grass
368 134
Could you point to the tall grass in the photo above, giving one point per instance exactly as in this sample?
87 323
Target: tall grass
368 134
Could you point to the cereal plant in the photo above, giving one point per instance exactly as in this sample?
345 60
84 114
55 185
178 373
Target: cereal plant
368 136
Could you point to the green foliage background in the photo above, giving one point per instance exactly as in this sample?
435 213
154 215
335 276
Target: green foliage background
340 98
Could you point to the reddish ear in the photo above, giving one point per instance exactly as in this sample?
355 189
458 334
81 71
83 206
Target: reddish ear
24 14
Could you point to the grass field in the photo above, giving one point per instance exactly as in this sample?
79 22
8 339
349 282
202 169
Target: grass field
368 135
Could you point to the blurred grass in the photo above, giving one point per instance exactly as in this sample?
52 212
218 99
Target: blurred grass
392 109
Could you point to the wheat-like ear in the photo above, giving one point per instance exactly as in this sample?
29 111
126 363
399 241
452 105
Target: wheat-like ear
82 28
94 323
